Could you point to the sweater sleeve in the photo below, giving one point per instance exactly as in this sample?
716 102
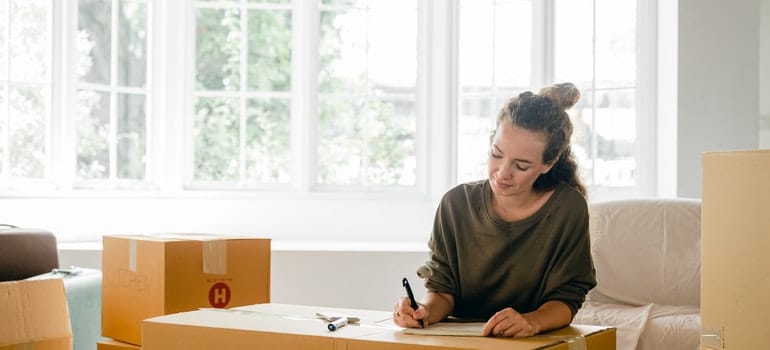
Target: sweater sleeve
573 273
439 276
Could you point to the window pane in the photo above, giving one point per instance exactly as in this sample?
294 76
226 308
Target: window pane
132 137
218 49
342 50
615 43
93 41
29 33
583 145
475 124
495 64
93 134
3 126
394 4
573 42
612 133
476 45
391 150
3 52
513 38
367 80
616 138
393 52
216 136
132 50
342 2
26 131
272 1
341 143
269 62
268 141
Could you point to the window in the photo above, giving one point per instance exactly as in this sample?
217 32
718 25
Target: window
242 97
367 93
25 90
494 64
598 53
363 125
239 114
591 43
112 90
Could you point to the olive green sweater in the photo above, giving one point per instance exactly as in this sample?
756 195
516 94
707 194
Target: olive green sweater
488 264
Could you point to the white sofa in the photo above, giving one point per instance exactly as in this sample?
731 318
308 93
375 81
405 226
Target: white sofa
647 258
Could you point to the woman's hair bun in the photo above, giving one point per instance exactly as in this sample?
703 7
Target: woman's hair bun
565 94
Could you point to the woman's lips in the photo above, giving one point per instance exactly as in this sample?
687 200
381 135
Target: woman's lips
502 184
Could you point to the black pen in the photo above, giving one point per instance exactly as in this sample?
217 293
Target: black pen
413 303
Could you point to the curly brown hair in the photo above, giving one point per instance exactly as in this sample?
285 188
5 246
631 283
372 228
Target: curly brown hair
546 112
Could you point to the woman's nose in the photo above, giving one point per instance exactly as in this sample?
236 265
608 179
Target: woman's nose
505 172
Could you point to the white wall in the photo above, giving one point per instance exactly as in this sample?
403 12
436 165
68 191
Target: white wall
285 217
668 85
359 278
764 74
717 83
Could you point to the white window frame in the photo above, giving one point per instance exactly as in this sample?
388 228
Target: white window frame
543 18
170 206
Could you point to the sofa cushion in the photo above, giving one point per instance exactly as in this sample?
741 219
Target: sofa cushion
629 321
26 252
646 251
671 327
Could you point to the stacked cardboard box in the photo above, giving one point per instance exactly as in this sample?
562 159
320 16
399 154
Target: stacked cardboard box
280 326
153 275
735 240
34 315
109 344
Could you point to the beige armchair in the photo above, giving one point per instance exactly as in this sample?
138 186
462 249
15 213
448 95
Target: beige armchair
647 258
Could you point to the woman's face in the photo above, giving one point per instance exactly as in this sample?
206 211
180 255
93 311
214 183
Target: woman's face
516 159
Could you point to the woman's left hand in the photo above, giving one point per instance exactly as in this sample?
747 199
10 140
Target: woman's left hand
509 323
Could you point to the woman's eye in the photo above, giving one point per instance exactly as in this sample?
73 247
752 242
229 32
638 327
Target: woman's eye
521 167
495 155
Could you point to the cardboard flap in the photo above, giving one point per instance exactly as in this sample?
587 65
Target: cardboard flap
33 310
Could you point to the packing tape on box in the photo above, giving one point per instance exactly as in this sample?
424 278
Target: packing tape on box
574 342
132 255
213 249
712 338
215 257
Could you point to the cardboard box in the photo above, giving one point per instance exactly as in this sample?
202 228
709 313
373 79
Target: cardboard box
110 344
83 288
34 315
735 240
146 276
280 326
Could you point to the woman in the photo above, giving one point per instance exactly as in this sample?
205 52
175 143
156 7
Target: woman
513 249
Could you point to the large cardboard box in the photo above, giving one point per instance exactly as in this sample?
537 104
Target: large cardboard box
111 344
735 270
153 275
34 315
280 326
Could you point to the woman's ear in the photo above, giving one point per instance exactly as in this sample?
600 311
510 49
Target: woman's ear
548 167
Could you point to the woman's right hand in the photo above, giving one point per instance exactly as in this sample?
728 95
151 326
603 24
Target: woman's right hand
405 316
